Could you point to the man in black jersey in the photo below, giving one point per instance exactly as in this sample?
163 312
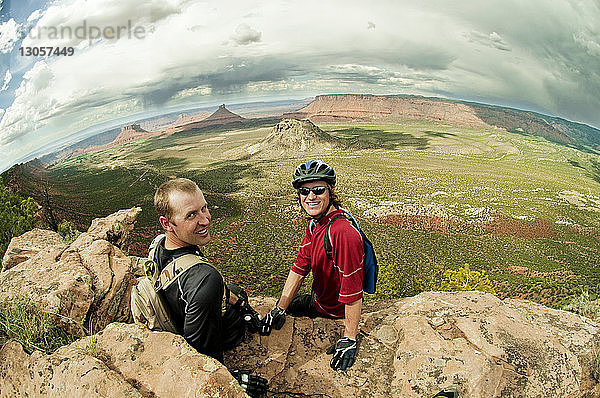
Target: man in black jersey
195 299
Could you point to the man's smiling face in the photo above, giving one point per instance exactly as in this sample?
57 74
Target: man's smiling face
191 219
314 204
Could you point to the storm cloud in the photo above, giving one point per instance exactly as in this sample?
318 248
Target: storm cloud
537 55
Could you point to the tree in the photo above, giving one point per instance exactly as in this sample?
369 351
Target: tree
16 216
48 206
466 279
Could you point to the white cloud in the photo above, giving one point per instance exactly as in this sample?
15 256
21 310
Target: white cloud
536 53
10 34
588 42
32 104
35 15
7 79
492 39
244 34
195 91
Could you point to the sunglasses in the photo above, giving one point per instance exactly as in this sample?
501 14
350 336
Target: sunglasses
316 190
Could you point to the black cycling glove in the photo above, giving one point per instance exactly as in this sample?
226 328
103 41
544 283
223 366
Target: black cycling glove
273 320
344 353
255 386
250 316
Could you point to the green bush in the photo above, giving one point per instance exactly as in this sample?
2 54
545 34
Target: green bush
23 321
68 231
16 216
583 305
465 279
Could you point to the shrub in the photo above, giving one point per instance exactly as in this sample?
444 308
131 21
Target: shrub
16 216
465 279
583 305
22 320
68 231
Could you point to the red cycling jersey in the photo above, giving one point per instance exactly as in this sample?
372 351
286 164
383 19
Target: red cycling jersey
336 282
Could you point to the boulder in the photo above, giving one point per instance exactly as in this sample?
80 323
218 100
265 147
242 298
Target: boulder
90 280
471 342
22 248
115 227
124 360
416 347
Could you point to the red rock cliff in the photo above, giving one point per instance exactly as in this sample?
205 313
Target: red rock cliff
370 107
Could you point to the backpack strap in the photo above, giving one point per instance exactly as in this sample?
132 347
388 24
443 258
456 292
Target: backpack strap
162 280
177 267
327 243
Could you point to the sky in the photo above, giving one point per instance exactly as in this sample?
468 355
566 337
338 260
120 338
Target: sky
131 57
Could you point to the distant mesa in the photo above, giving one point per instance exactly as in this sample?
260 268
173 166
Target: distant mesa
221 116
184 118
368 107
132 133
132 128
399 108
303 135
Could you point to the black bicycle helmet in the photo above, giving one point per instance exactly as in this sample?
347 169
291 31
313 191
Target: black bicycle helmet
313 170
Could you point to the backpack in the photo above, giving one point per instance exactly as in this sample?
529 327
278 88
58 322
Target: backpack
370 267
147 303
149 308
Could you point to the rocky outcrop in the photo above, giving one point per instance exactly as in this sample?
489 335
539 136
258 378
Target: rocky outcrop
22 248
115 227
291 135
471 342
123 360
89 280
415 347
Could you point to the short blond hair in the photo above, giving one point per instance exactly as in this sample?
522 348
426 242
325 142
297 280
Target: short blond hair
162 203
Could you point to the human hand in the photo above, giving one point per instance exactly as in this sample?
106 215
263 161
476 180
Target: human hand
255 386
273 320
344 353
251 318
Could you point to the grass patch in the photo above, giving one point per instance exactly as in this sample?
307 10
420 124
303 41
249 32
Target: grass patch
376 138
596 365
34 329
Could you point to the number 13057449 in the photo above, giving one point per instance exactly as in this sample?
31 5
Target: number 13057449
46 51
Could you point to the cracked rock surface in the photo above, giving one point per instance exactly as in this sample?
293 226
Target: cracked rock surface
124 360
417 346
413 347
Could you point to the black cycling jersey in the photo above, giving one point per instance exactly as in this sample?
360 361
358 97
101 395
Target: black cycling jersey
194 301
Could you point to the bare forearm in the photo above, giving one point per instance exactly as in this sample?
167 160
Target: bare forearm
291 287
352 318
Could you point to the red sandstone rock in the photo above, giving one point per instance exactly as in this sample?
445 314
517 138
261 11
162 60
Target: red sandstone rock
22 248
124 360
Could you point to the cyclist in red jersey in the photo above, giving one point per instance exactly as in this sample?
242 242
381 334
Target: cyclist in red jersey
337 283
